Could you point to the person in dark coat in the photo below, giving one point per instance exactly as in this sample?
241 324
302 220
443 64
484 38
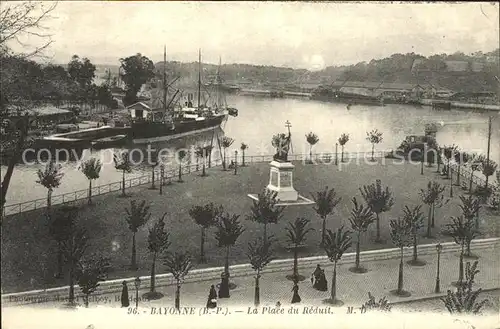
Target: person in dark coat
295 298
322 284
124 299
316 276
212 298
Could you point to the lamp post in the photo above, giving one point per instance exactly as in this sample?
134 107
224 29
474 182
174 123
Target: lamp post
336 154
235 161
422 158
137 283
450 169
439 248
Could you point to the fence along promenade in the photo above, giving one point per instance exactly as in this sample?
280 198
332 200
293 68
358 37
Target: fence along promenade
79 195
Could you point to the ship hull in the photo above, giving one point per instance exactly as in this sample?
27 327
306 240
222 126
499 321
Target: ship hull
150 132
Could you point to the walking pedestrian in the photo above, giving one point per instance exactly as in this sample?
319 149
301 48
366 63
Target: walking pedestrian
295 298
124 299
212 298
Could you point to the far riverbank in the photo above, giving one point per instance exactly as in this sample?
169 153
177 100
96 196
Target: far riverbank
308 95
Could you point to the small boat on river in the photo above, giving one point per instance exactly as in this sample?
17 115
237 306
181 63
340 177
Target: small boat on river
109 142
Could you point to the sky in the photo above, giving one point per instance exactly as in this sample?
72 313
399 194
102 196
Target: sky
308 35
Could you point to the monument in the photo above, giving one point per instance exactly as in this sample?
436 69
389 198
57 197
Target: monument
281 173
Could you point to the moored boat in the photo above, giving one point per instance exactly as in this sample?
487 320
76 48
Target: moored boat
171 121
109 142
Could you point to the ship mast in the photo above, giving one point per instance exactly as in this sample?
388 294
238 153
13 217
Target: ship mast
199 78
165 87
219 97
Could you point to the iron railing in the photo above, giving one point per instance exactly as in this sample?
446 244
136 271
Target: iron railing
70 197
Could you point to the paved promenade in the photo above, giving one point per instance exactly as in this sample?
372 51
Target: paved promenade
105 311
351 288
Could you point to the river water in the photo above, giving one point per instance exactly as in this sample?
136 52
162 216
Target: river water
260 118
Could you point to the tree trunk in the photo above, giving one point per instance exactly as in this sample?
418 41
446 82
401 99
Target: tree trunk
377 239
257 291
433 213
226 264
458 174
358 250
203 173
311 153
373 151
470 181
224 285
90 191
153 274
86 300
10 167
162 179
342 153
334 281
197 163
468 254
323 230
133 263
400 277
295 262
71 298
123 182
49 199
415 246
461 266
178 296
202 246
180 173
429 222
243 160
59 260
224 159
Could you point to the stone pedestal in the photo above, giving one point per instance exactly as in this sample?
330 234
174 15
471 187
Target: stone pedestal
281 181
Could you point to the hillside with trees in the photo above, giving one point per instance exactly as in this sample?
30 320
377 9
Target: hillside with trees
458 72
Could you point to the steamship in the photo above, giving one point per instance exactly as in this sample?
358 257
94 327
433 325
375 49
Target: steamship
173 120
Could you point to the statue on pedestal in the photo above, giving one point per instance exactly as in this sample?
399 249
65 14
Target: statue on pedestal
282 144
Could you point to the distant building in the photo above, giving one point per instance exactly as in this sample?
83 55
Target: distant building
457 66
492 59
47 114
139 110
477 66
390 90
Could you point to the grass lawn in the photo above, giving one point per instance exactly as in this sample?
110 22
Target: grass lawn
29 253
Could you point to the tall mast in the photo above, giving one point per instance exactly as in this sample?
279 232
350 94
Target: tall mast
218 91
488 147
199 77
165 87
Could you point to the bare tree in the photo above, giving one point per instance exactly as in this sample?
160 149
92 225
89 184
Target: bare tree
260 254
90 271
18 20
25 20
